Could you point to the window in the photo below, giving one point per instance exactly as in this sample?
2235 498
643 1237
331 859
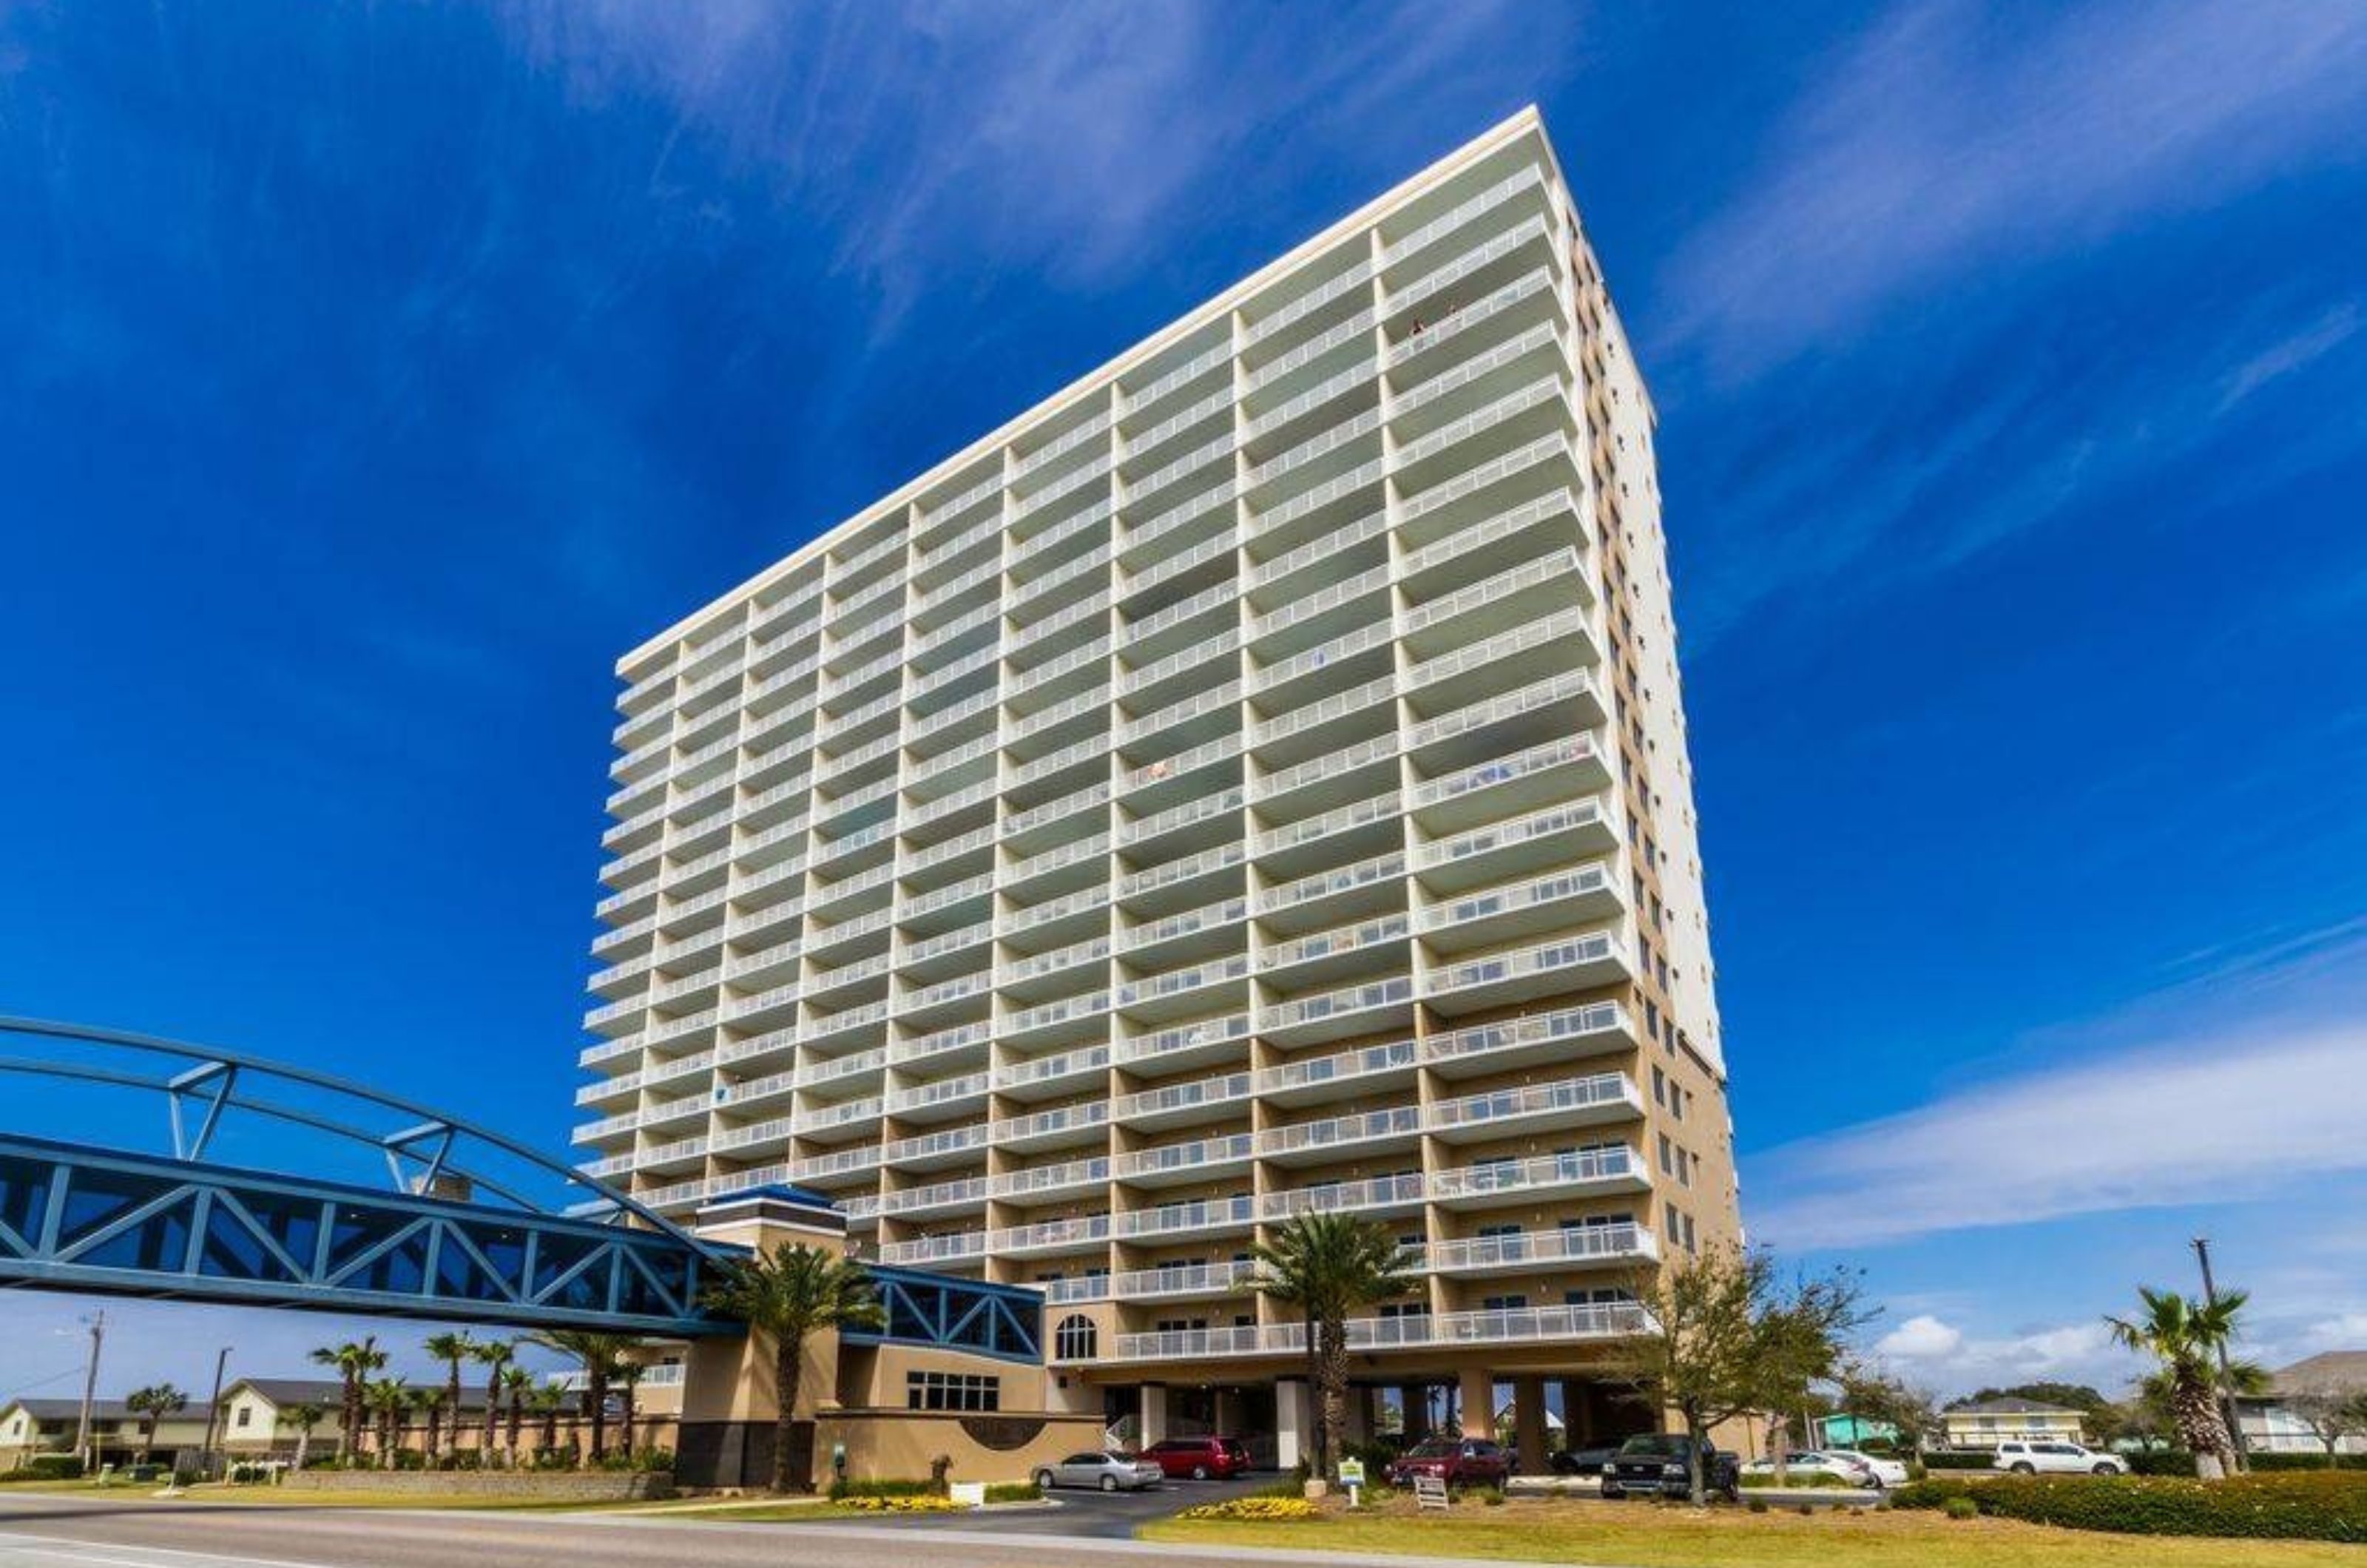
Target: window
1504 1304
953 1390
246 1416
1076 1339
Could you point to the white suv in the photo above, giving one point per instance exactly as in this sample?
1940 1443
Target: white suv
2031 1459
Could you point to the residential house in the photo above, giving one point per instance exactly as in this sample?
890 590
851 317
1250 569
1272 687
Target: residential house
1985 1423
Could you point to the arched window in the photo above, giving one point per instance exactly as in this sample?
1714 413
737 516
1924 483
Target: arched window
1076 1339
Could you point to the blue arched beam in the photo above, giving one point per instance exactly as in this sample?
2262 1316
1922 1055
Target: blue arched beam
83 1219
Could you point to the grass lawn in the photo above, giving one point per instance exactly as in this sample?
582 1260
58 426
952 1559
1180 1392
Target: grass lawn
1648 1535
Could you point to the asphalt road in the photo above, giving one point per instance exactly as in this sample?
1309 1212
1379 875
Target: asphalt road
93 1532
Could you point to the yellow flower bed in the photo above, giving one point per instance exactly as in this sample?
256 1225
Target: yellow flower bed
1271 1510
917 1505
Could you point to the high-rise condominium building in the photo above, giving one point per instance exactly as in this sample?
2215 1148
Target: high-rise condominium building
1251 782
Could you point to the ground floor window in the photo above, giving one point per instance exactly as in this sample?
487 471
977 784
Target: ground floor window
952 1390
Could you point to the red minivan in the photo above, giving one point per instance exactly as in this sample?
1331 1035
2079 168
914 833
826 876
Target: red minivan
1201 1458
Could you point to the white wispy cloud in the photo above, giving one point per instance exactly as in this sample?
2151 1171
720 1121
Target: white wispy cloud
1953 138
1059 137
2279 360
2258 1093
1931 1352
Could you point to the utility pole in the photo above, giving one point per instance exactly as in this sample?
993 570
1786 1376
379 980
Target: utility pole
2227 1376
213 1412
97 1322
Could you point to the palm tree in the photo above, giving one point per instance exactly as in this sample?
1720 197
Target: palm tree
598 1354
515 1381
354 1361
303 1417
1330 1267
429 1402
791 1292
628 1375
494 1356
2186 1336
387 1400
151 1404
451 1348
547 1401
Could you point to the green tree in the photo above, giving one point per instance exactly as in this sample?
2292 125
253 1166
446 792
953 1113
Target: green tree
1913 1413
429 1404
2186 1337
451 1348
151 1404
1330 1267
386 1399
354 1361
1729 1335
791 1293
598 1354
494 1356
547 1400
515 1381
303 1417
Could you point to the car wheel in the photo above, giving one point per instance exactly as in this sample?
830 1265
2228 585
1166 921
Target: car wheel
2108 1469
1199 1472
1044 1482
1612 1493
1109 1483
2022 1469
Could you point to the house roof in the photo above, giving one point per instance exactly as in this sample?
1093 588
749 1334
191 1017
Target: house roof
100 1410
2008 1406
2329 1369
329 1393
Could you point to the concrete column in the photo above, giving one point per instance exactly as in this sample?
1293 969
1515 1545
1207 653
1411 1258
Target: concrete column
1359 1427
1294 1422
1577 1414
1529 1425
1154 1412
1414 1401
1477 1402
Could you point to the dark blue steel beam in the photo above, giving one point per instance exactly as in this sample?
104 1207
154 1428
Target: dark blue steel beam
76 1218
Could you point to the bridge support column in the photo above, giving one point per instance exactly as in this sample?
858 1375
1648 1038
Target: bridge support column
1294 1422
1154 1412
731 1397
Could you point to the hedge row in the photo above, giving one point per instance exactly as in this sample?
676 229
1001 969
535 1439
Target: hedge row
1960 1459
2329 1506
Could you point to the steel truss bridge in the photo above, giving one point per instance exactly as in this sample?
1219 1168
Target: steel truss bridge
452 1235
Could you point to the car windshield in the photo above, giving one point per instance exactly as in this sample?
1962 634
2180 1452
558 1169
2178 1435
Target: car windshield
1432 1447
1655 1445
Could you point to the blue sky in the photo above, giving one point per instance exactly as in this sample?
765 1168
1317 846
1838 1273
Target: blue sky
370 378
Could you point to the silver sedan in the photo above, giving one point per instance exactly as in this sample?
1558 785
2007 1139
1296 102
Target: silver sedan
1109 1471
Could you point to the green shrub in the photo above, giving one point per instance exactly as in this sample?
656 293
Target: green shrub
2301 1462
1960 1459
2328 1505
1757 1504
2160 1461
1820 1480
842 1489
48 1467
1014 1492
1961 1508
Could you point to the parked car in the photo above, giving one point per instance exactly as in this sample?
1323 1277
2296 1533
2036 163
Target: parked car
1460 1461
1657 1462
2059 1458
1201 1459
1582 1462
1887 1471
1109 1471
1850 1470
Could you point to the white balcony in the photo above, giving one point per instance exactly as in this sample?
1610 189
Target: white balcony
1577 1245
1173 1163
1503 1183
1596 958
1215 1214
1414 1331
1378 1195
1320 1143
1604 1099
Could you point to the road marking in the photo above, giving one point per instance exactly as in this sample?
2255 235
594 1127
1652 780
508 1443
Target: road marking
91 1551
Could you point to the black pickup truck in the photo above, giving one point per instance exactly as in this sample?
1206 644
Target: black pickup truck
1654 1464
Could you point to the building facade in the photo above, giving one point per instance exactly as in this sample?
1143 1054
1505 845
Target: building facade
1985 1423
1252 782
